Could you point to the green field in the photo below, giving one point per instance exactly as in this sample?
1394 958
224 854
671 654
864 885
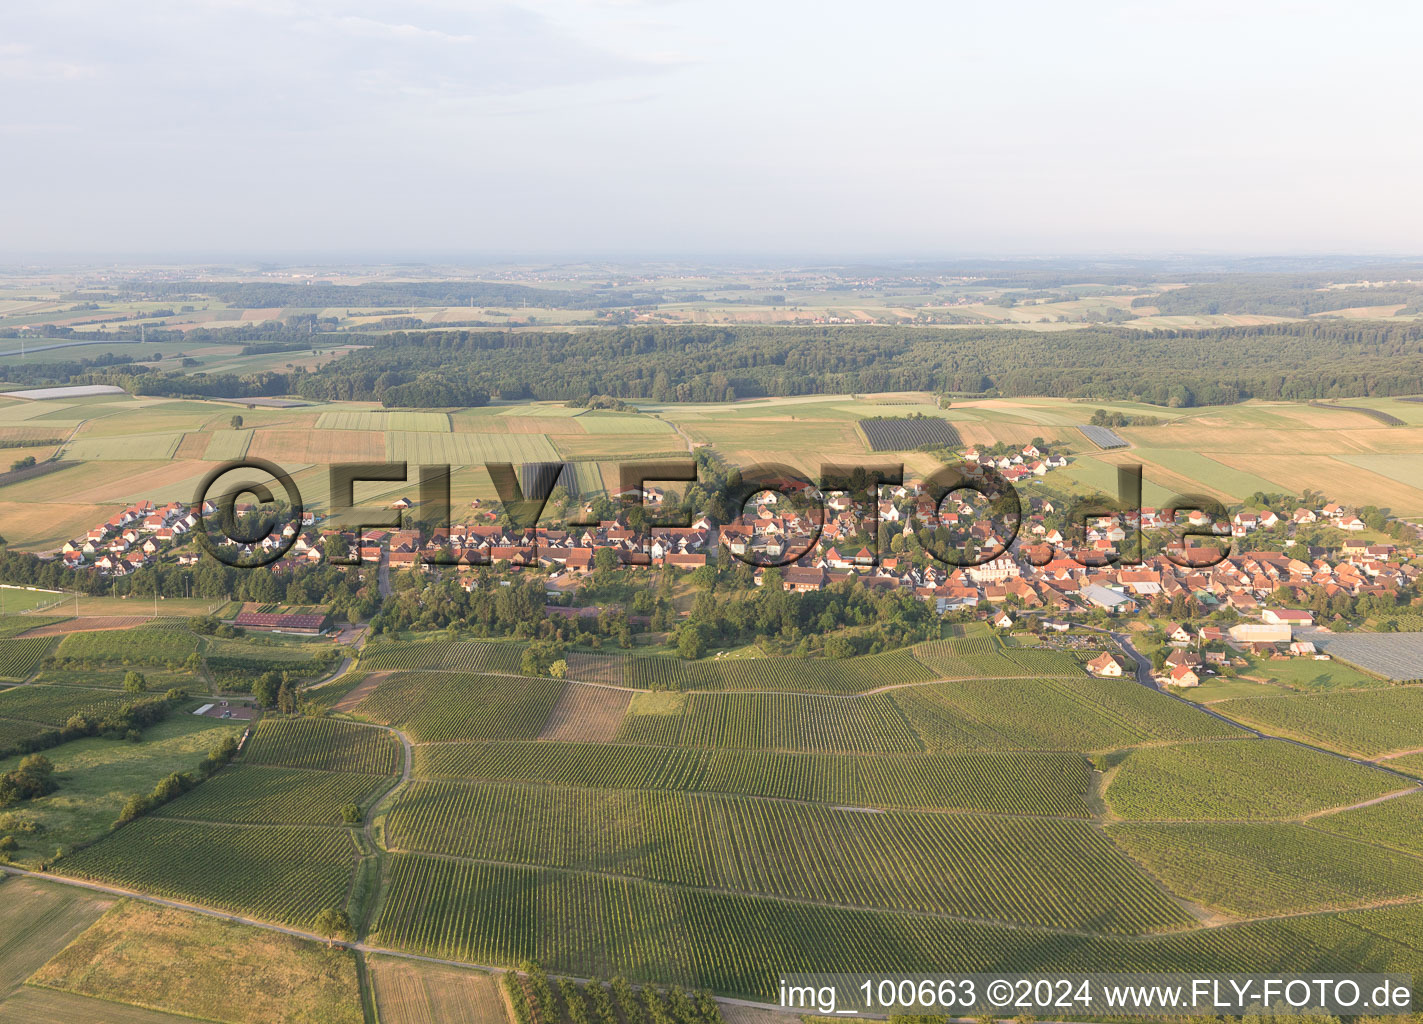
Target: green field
86 448
282 874
1247 780
457 655
1028 870
20 657
1367 722
431 449
1249 869
740 945
1397 823
603 423
52 705
819 675
167 647
1014 783
258 795
379 420
323 744
227 445
438 706
96 776
770 721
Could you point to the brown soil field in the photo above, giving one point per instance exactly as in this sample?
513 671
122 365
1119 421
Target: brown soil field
587 714
407 992
360 692
192 446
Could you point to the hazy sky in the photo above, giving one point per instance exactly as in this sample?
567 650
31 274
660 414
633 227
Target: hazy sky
709 126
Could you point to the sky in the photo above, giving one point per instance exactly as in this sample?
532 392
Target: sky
685 127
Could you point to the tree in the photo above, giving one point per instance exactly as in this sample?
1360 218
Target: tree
236 422
351 814
134 682
558 669
265 688
334 924
690 642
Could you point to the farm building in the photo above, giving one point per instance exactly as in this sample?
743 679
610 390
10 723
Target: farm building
311 623
1260 633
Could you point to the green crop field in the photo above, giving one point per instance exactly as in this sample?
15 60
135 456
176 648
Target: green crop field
1367 722
435 706
1397 823
20 657
125 448
129 647
819 675
457 655
380 420
1250 869
596 423
227 445
280 874
741 945
324 744
1012 783
1247 780
986 656
53 705
257 795
771 721
1050 714
1028 870
430 449
13 625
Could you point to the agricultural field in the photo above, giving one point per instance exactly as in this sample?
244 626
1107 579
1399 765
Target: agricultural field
226 445
1394 656
52 705
173 962
380 420
1014 783
323 744
283 874
803 675
439 706
1048 714
605 423
1028 870
986 656
96 776
432 449
455 655
258 795
1247 780
37 920
1369 723
20 657
770 721
586 713
1248 869
1397 823
739 945
165 647
902 434
411 992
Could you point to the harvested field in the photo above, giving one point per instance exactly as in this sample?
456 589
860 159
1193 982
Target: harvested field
408 992
590 714
37 920
287 447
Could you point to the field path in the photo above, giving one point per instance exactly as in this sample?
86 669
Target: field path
1365 803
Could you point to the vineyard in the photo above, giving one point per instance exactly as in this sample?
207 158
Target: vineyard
1250 869
257 795
453 655
775 721
20 657
1008 783
905 434
987 656
53 705
804 675
1249 779
13 625
740 945
170 647
12 733
1397 823
324 744
1369 722
438 706
1028 870
277 874
1046 714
